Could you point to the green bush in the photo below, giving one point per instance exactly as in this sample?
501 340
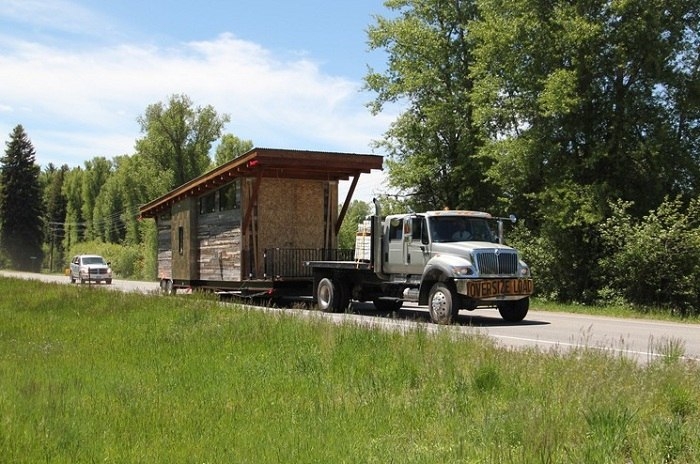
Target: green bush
654 261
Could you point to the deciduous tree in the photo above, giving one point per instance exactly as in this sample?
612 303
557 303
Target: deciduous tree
231 147
434 145
585 102
74 226
178 138
52 179
97 171
548 109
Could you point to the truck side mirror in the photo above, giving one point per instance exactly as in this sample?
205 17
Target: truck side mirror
512 218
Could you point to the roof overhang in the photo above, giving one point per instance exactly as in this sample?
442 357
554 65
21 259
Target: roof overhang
268 162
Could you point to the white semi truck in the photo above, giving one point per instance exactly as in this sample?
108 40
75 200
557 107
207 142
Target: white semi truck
447 260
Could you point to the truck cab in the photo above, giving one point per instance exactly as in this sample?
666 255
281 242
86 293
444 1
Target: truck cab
455 260
411 240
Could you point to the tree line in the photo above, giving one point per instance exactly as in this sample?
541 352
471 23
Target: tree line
49 215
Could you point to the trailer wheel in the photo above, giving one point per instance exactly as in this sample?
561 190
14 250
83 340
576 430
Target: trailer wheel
442 303
331 297
166 287
514 311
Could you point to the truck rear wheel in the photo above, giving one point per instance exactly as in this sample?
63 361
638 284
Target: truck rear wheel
514 311
442 303
331 298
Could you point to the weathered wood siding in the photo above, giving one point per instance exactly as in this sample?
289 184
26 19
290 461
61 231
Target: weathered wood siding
165 248
219 241
184 261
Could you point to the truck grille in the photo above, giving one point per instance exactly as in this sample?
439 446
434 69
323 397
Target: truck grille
497 262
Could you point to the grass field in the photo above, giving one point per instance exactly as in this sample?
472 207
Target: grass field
90 375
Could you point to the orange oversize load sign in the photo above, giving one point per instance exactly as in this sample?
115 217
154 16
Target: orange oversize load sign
480 289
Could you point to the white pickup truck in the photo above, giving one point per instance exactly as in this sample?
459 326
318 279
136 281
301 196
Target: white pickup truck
447 260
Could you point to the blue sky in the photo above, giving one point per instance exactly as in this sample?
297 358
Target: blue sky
78 73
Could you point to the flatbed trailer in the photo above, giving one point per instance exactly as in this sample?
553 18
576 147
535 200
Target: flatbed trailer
286 278
336 283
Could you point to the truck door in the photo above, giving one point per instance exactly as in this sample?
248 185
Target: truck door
394 255
417 248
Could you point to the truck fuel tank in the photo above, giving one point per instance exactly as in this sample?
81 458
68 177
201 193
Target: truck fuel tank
411 294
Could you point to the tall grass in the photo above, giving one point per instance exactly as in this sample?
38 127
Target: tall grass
90 375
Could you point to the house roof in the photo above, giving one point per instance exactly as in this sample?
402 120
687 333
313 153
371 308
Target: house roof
270 162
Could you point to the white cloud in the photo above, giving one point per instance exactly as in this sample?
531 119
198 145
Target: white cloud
78 99
101 92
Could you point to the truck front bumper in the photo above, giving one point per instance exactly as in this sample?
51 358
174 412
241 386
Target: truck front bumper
495 289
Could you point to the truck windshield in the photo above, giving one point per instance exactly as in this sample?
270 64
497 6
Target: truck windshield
460 229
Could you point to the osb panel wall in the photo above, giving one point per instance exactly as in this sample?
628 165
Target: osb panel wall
219 239
165 250
291 214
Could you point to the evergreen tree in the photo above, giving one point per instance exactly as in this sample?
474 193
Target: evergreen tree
21 204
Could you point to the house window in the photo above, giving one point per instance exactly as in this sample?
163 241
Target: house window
207 203
181 240
229 197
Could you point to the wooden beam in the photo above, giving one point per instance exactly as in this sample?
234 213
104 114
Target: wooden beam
346 203
247 218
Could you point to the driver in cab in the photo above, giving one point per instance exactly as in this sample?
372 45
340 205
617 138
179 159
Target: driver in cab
462 233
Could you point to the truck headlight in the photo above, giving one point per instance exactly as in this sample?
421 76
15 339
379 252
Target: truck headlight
524 269
462 271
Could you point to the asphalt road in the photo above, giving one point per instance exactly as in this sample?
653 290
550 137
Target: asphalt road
123 285
642 340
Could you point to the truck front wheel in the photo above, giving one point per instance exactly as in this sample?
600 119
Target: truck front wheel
442 303
331 298
514 311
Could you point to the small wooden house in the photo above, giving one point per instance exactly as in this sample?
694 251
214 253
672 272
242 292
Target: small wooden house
254 219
